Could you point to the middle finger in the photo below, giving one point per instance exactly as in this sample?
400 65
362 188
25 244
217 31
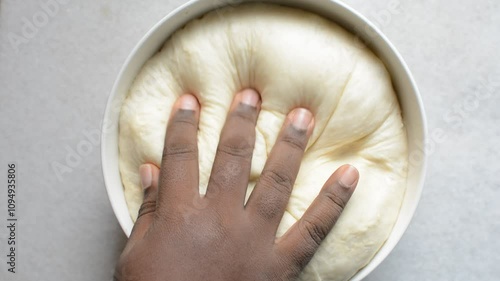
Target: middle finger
231 170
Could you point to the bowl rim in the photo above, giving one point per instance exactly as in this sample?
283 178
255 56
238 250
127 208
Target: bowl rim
109 134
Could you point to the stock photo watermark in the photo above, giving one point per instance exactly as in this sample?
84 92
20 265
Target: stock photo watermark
48 9
383 18
380 19
454 118
12 217
76 154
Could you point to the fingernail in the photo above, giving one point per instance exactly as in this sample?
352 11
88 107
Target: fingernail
146 176
301 118
250 97
349 177
188 102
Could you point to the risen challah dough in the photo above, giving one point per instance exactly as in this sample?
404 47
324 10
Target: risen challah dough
292 58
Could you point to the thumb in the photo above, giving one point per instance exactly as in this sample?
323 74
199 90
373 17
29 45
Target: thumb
149 174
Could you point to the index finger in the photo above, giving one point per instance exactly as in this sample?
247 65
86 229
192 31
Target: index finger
179 166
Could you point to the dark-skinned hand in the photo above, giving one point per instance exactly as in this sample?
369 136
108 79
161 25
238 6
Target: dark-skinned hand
229 240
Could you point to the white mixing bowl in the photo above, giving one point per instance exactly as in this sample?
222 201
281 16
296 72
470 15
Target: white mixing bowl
409 99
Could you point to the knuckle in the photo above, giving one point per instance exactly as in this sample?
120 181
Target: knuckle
236 146
268 206
180 151
147 207
335 201
278 179
294 142
312 232
225 176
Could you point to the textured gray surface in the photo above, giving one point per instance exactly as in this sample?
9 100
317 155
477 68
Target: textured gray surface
53 91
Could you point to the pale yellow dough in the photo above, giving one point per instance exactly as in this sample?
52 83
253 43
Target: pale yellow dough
293 58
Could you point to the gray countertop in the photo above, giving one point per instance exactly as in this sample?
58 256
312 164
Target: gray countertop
55 78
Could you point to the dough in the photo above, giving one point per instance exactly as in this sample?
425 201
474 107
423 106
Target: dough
292 58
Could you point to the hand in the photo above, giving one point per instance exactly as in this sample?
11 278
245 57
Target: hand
228 240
